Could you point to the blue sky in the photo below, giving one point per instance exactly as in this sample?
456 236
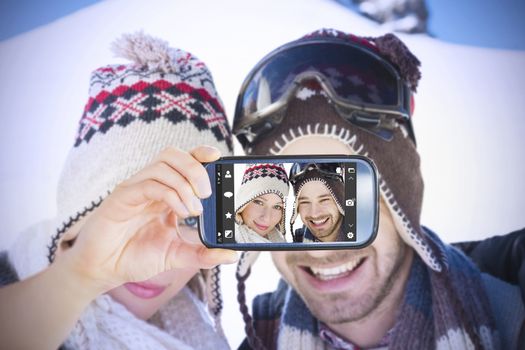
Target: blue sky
487 23
19 16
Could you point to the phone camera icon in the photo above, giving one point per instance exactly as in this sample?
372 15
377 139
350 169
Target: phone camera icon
350 202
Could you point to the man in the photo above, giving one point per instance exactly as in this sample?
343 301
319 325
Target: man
330 92
319 192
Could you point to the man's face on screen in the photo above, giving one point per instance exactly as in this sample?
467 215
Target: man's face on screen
318 211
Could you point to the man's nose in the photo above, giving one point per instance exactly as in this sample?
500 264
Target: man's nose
315 210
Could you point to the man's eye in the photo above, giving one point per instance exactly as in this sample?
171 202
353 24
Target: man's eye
191 221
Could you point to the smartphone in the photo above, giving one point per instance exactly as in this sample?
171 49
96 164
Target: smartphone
298 202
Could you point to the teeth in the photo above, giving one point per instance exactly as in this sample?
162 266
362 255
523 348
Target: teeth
335 272
319 222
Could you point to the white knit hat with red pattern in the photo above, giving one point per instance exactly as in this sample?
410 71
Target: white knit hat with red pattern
165 97
258 180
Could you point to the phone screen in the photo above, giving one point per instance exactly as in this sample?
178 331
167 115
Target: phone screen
304 201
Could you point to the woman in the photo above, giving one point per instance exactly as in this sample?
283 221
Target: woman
260 204
123 267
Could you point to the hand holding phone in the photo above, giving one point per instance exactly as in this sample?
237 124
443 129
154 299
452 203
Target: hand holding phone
290 203
147 225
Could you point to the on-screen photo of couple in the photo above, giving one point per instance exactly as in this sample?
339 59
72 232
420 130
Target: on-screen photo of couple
292 202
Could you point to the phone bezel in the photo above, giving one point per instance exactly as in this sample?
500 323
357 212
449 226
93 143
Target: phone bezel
207 229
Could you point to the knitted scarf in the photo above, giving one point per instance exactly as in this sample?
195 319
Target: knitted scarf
244 234
441 310
182 324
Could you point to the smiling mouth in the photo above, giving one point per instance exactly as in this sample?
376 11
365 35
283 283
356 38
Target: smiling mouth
261 227
343 270
318 223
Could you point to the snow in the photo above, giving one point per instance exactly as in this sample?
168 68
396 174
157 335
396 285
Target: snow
409 16
468 122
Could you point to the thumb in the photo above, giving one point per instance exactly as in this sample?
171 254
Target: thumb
185 255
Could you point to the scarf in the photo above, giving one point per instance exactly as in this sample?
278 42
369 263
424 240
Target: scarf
445 310
183 323
244 234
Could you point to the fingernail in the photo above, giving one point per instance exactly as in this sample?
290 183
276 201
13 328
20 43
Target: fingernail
210 148
196 205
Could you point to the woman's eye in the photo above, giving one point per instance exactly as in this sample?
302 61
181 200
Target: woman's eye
191 221
278 207
258 201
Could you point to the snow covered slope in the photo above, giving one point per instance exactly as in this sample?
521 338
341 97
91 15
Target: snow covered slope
469 109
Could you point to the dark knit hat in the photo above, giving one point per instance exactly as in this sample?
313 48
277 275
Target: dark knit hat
334 186
311 112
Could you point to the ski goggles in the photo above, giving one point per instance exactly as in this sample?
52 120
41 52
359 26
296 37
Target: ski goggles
365 88
328 170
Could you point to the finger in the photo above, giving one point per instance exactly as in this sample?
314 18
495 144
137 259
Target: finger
190 168
205 154
165 174
188 234
127 201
